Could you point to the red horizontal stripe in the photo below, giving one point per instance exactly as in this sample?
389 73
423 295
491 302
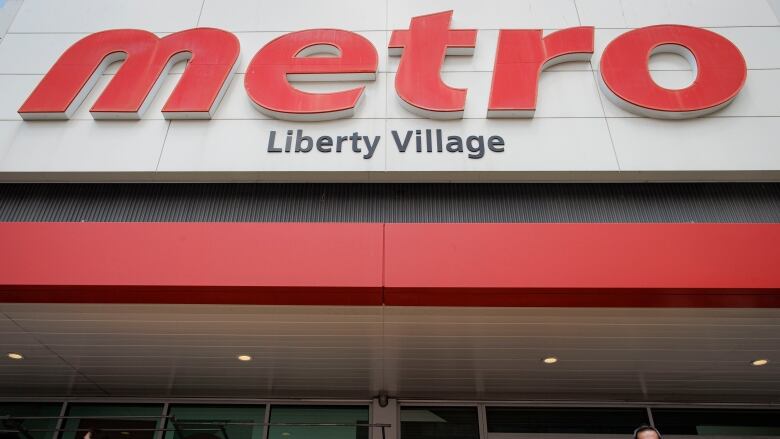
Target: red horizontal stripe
336 264
576 265
648 265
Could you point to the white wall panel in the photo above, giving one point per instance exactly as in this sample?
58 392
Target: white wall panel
703 13
497 14
759 45
8 131
739 143
601 13
83 146
8 10
33 53
237 105
233 145
14 89
775 4
44 16
292 15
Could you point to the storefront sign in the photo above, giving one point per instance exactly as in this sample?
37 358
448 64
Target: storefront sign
521 57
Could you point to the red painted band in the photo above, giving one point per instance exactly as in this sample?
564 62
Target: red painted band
560 265
603 265
313 264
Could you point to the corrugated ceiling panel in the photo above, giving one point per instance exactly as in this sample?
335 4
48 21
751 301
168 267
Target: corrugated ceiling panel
722 202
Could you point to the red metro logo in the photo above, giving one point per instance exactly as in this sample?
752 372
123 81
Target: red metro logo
521 56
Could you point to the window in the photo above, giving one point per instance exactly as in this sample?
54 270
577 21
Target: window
706 422
16 427
565 420
215 422
115 421
439 423
345 416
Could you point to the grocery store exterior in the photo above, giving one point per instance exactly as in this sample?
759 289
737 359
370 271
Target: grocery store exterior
389 218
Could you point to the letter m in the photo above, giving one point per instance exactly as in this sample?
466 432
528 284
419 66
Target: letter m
212 55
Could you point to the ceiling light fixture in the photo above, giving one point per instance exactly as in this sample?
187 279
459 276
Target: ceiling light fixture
245 357
15 356
760 362
550 360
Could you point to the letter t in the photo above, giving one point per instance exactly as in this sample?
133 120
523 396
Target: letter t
423 48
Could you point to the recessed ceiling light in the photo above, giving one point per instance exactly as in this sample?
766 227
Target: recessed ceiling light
15 356
760 362
245 357
550 360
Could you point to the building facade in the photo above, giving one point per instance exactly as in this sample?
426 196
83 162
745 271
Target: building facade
387 218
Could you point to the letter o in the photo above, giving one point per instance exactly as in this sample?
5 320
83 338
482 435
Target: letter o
718 64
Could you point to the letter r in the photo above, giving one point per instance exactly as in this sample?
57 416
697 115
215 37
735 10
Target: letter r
521 57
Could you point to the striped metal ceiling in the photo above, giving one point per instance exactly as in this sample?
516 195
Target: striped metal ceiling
647 355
